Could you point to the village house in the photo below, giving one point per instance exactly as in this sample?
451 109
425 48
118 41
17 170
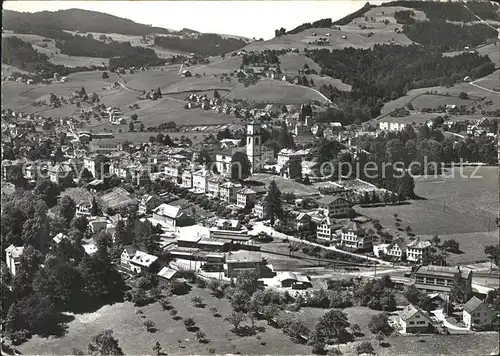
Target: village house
435 279
326 227
296 220
13 258
228 190
477 313
260 208
187 179
334 206
412 319
126 255
59 172
200 181
301 129
285 155
174 170
214 185
245 198
417 250
391 125
142 261
83 209
170 216
354 236
147 204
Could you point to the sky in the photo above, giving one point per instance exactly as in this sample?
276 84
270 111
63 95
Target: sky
250 19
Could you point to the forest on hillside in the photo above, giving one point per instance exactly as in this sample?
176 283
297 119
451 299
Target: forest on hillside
20 54
445 37
207 44
389 72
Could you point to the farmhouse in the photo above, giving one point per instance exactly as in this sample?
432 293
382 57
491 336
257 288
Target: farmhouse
334 206
417 250
477 313
412 319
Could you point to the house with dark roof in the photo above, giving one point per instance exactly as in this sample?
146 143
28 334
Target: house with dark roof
412 319
477 313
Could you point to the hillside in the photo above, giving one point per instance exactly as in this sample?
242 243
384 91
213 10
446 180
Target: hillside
74 20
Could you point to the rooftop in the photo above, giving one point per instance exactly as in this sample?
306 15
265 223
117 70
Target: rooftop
243 256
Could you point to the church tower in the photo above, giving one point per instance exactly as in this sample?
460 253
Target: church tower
254 142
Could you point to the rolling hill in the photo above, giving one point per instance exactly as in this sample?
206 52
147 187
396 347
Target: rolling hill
75 20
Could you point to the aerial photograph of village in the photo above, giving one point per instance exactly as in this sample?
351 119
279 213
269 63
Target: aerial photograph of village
250 178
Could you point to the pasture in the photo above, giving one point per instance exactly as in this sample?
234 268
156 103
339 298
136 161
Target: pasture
275 92
462 208
291 63
135 340
336 83
491 50
48 47
218 66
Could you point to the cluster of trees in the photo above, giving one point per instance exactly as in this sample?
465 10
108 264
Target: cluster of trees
444 36
208 44
52 278
453 11
376 294
323 23
388 72
404 17
261 58
427 144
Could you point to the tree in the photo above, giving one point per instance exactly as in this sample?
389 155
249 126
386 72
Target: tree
131 126
189 323
197 301
248 281
493 253
67 208
150 325
200 336
48 191
75 351
365 348
436 240
451 245
158 93
216 94
104 344
134 117
235 319
240 301
240 166
379 322
412 294
105 75
157 348
142 127
332 326
273 199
